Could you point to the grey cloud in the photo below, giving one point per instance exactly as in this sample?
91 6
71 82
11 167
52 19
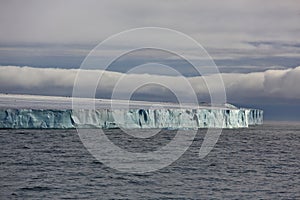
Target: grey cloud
61 33
210 22
276 44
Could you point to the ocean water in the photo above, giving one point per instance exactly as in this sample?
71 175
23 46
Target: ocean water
261 162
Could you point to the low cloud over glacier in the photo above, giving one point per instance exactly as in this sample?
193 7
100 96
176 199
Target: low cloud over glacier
274 86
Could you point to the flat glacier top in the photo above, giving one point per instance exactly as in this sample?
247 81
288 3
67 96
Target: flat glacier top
53 102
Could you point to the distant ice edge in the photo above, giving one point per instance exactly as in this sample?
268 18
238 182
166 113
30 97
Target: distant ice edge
132 118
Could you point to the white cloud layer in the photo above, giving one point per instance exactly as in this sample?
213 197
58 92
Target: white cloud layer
213 23
271 85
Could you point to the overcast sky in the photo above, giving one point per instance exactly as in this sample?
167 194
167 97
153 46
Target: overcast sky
255 44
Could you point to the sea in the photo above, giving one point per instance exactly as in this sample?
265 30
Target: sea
260 162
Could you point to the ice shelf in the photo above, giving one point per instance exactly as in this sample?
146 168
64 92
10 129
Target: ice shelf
36 112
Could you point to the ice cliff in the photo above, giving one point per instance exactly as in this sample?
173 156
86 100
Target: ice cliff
29 111
169 118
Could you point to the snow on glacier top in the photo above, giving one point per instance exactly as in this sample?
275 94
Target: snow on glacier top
17 101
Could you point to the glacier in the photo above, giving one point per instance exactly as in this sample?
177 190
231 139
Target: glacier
40 115
132 118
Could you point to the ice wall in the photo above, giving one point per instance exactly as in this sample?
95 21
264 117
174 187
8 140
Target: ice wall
29 118
172 118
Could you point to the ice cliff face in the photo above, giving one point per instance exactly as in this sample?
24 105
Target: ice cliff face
28 118
171 118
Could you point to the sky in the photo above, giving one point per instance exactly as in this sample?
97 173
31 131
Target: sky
255 44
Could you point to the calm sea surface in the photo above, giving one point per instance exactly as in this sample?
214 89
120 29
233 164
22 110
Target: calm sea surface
261 162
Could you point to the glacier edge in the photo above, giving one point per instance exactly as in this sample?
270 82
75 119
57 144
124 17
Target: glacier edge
167 118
